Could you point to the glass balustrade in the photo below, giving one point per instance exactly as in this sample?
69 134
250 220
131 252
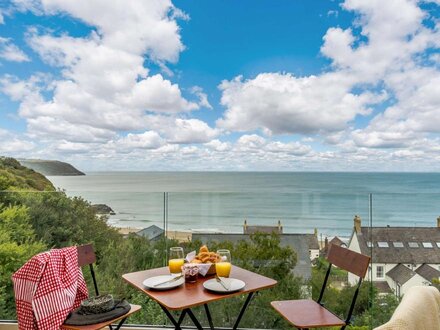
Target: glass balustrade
283 236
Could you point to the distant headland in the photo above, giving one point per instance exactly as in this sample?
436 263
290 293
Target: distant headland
50 167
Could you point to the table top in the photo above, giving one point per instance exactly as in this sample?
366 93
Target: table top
194 294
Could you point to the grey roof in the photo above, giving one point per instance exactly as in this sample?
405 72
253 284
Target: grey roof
428 272
382 286
300 243
401 274
405 254
262 229
150 232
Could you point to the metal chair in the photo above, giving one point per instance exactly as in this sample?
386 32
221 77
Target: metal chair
86 256
306 313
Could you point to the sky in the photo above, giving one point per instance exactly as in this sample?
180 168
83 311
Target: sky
249 85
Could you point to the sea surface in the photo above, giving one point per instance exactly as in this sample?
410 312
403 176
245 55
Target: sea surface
221 201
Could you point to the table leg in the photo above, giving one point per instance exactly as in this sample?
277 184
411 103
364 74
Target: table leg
208 316
194 319
182 315
246 303
171 318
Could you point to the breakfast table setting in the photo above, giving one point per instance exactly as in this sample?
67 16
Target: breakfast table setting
196 280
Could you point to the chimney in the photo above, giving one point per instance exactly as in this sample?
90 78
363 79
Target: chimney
357 224
438 222
245 226
315 232
280 228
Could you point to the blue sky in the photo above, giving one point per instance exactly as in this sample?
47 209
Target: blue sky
249 85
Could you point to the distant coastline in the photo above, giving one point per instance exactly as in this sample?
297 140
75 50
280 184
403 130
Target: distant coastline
51 167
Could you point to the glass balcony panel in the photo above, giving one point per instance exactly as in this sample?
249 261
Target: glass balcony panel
404 235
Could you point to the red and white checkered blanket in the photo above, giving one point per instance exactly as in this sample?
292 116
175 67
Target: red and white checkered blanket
47 288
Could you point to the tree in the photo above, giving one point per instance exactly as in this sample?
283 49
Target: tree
17 245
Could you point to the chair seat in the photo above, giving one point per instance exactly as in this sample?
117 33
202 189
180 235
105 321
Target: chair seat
133 309
306 313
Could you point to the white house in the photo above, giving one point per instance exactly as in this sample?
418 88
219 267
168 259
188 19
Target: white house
401 257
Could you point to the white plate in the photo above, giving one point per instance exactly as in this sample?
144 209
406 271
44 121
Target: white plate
152 281
232 284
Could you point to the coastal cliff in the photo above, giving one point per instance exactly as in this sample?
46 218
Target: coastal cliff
50 167
14 176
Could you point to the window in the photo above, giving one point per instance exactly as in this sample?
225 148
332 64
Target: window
379 271
382 244
427 245
438 244
413 244
398 244
369 244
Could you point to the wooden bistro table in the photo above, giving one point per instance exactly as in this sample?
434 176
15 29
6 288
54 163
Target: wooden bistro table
190 295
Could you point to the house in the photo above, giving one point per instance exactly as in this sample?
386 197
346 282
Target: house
401 257
153 233
335 240
305 245
262 229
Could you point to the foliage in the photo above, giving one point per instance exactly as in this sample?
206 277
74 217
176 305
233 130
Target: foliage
370 309
382 308
62 221
17 244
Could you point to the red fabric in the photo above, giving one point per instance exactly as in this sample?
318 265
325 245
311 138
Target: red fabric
47 288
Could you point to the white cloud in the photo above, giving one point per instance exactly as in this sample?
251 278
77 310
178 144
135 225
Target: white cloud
12 144
146 140
105 89
107 105
381 58
203 98
291 148
190 131
219 146
252 141
393 32
283 103
10 52
135 26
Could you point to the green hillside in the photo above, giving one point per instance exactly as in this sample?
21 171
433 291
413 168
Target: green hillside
14 176
50 167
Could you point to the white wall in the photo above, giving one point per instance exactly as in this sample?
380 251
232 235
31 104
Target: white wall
354 243
314 253
415 280
354 246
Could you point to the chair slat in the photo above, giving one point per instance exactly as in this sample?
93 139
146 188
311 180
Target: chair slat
305 314
348 260
86 255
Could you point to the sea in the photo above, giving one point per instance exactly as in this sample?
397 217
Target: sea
301 202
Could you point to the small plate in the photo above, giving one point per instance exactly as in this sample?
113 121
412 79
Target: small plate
232 283
152 281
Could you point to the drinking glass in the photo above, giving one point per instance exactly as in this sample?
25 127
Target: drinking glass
223 268
175 260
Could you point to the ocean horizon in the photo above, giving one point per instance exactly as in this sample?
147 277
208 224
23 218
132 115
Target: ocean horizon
221 201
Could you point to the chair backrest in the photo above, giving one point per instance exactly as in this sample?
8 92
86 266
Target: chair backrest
86 256
350 261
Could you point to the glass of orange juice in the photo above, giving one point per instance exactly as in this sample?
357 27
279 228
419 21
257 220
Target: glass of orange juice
175 260
223 268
